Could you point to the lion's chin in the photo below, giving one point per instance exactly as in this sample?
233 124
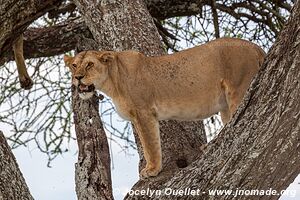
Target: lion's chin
85 91
86 95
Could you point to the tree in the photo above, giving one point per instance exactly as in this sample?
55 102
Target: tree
246 132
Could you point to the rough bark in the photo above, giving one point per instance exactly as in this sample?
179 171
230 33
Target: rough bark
12 183
174 8
16 16
92 171
259 148
122 25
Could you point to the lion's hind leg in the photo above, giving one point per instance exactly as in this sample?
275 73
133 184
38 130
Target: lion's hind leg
233 99
225 116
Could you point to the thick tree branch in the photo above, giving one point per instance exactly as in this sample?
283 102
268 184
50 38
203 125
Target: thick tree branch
16 16
174 8
63 9
12 183
50 41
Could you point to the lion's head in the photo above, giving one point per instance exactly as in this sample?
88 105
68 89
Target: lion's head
89 70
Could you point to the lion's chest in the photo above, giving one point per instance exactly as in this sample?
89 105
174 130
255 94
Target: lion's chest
123 109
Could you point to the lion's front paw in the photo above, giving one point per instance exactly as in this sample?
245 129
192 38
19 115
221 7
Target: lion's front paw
26 83
149 171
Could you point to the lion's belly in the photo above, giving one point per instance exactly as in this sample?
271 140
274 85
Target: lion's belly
189 110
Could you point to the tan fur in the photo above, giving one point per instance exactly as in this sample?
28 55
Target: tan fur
188 85
24 78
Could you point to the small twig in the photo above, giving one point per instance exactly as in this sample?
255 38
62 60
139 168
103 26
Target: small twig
63 9
164 31
215 18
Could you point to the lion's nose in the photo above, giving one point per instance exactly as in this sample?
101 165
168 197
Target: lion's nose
79 77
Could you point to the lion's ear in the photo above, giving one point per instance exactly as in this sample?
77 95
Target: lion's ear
106 57
68 60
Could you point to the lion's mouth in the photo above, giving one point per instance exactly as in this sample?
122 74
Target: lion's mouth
85 88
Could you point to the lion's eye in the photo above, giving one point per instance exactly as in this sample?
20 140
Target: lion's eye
89 65
74 65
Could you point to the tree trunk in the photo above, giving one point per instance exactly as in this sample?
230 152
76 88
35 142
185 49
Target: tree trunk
259 148
12 183
92 171
123 25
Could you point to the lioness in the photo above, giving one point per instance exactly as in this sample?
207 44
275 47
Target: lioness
189 85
